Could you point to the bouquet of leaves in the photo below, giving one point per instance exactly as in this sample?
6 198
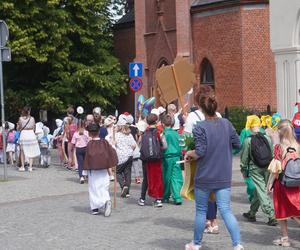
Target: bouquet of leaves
189 142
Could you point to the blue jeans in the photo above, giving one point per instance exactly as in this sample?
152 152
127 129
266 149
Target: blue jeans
223 203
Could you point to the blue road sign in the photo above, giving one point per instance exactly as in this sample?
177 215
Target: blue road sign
135 69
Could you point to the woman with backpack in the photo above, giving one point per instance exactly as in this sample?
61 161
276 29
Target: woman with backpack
214 139
286 199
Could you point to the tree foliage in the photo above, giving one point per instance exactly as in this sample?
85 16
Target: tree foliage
61 54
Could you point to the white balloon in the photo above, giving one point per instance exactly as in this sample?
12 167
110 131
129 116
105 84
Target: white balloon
80 110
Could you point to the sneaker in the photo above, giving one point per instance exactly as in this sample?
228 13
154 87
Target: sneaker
238 247
192 246
124 191
21 169
81 180
111 178
127 195
272 222
95 211
158 203
249 217
107 211
177 202
141 202
283 241
30 169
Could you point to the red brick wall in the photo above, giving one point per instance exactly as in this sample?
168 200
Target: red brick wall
218 38
259 84
237 44
124 49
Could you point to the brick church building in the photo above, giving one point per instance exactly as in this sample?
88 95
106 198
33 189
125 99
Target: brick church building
228 41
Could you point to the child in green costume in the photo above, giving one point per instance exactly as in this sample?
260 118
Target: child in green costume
172 176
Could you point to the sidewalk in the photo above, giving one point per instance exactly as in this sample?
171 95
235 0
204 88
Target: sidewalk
49 209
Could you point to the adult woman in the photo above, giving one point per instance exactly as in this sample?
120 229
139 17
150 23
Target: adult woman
28 142
214 137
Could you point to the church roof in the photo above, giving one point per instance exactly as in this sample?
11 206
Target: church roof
206 2
127 18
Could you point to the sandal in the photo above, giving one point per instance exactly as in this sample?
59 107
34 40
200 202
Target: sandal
283 241
212 230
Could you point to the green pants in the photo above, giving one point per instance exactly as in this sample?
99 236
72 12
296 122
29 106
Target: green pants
260 178
250 188
172 178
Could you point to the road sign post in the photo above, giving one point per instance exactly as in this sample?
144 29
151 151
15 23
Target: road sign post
5 56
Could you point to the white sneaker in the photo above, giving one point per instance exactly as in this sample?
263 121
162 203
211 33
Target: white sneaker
192 246
111 178
238 247
107 211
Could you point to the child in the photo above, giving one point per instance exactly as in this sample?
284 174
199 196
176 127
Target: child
99 157
44 148
286 199
172 176
80 140
11 146
151 155
125 145
250 167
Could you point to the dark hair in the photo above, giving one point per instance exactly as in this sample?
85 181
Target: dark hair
151 119
168 121
93 129
206 100
70 110
25 111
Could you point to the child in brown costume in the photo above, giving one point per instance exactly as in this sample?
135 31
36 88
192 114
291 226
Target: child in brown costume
100 156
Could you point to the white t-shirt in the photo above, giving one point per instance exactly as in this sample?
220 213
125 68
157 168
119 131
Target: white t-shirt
193 118
177 122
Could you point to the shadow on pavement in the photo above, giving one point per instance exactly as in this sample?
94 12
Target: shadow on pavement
175 223
174 244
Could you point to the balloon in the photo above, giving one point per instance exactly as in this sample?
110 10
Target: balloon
140 103
148 105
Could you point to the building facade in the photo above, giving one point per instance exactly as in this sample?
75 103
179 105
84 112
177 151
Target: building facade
285 43
228 41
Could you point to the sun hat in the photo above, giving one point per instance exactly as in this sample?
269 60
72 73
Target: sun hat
155 112
141 126
161 110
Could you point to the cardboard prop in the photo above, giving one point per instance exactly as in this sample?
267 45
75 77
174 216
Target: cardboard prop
175 80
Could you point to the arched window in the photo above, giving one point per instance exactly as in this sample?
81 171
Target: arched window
207 73
162 62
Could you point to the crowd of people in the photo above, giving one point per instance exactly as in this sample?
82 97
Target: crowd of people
150 151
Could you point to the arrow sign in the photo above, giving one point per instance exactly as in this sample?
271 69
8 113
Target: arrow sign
135 69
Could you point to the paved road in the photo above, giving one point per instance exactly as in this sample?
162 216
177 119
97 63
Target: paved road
48 209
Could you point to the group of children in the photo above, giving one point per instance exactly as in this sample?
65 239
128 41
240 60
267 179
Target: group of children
103 145
13 147
268 144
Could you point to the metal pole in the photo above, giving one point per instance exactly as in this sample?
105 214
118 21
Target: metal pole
3 117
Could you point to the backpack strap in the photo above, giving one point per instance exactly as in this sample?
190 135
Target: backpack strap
195 112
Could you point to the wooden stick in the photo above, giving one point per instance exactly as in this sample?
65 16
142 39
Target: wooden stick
115 187
115 174
178 90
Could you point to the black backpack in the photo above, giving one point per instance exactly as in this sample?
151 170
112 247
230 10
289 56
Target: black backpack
260 150
151 149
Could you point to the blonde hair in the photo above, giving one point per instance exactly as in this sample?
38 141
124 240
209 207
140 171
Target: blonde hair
287 135
125 129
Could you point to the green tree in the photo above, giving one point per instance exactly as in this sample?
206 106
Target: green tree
61 54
